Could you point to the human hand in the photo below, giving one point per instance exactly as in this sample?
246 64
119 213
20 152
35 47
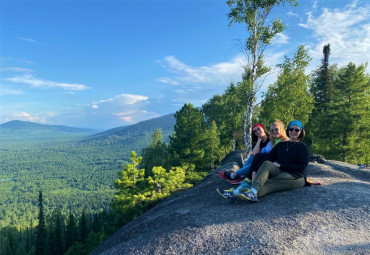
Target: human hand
276 164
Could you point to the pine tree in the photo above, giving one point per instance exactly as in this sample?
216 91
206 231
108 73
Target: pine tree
71 231
322 85
346 134
41 233
83 227
156 154
186 144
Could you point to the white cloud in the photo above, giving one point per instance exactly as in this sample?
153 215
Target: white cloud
38 83
28 39
122 99
16 69
28 117
217 74
280 39
347 30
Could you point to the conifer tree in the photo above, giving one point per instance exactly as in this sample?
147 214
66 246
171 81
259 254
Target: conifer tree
83 227
186 144
347 119
41 233
156 154
71 231
322 85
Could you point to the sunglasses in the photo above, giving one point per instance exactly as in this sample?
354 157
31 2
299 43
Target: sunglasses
294 129
275 130
257 130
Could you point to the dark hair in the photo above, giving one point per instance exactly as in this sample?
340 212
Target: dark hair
301 136
255 138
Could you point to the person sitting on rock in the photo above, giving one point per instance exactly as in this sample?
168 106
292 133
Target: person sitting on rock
284 168
260 139
278 134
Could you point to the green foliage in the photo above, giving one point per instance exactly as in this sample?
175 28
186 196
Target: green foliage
343 131
135 192
186 144
41 229
156 154
289 97
261 30
226 111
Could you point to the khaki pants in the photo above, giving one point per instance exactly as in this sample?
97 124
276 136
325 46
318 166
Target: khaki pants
271 179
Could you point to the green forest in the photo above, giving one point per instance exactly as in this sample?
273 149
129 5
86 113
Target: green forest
66 195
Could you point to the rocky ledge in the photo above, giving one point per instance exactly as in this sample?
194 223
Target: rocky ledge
332 218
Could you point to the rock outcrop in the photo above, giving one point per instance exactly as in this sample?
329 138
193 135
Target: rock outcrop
332 218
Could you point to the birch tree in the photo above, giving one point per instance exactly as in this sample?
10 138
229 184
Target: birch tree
254 14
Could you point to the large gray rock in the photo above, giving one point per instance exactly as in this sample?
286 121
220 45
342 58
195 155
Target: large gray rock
332 218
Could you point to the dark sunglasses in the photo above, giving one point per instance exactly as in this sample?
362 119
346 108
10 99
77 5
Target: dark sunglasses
275 130
294 129
256 130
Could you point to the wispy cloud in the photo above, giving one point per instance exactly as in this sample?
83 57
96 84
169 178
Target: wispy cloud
347 30
28 117
39 83
122 108
122 99
9 59
280 38
217 74
16 69
28 39
9 91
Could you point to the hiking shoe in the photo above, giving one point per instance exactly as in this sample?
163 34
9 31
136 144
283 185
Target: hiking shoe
227 194
248 195
248 183
225 175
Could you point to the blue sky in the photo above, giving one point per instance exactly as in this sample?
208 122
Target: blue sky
104 64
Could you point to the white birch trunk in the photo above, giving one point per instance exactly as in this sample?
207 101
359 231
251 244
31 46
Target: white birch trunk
247 129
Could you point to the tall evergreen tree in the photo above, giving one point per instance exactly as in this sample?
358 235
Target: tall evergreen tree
288 98
186 144
71 231
254 14
347 119
322 85
83 227
41 232
156 154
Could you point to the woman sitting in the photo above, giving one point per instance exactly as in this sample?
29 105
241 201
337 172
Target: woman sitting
260 139
284 168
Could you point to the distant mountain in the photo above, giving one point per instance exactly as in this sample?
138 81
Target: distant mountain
135 136
25 130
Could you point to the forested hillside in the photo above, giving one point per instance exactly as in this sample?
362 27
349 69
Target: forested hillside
25 130
75 172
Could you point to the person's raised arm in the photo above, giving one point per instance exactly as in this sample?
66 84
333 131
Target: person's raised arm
257 147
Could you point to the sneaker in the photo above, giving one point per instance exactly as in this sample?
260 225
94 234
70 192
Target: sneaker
227 194
248 195
225 175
